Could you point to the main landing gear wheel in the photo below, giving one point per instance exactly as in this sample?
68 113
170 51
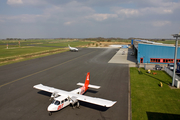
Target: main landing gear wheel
78 106
50 113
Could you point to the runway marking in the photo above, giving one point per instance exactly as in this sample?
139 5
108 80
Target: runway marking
43 70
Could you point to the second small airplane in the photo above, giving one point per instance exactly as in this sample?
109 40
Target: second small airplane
73 49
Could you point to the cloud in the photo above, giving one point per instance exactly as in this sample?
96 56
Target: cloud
24 18
68 23
96 17
56 14
14 2
101 17
161 23
27 2
71 8
125 12
142 11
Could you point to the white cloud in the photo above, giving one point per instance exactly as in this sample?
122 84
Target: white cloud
56 14
35 2
101 17
92 16
14 2
24 18
153 10
68 23
126 12
161 23
142 11
27 2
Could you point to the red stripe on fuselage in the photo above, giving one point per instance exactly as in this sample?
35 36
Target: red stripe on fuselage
60 106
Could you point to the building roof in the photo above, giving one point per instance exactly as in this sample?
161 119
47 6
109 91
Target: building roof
150 43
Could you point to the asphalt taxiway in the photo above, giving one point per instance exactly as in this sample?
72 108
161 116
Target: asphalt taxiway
20 101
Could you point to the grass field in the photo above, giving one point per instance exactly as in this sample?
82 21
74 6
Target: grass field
169 42
29 49
149 100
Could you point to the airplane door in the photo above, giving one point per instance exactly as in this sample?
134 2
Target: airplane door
66 102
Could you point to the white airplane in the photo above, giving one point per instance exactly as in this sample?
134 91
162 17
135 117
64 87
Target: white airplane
73 48
63 98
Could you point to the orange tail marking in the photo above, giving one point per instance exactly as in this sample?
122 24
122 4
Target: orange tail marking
87 80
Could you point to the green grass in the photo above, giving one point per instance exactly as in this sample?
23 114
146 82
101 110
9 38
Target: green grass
30 48
39 45
149 100
167 42
16 51
65 44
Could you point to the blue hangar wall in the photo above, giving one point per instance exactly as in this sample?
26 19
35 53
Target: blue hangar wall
150 53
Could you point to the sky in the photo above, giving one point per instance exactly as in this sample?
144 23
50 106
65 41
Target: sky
89 18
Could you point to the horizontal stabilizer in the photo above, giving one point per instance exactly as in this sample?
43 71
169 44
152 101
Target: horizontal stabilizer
90 86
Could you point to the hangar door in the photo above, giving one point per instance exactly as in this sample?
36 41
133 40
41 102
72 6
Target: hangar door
141 60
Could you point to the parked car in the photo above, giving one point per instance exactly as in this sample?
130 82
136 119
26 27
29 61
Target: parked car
171 66
158 67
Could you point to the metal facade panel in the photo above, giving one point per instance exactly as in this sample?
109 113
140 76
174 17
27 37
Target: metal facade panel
147 51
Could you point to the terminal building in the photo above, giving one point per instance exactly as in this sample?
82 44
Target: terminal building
153 52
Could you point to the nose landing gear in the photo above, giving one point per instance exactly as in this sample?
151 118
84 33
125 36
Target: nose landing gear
50 113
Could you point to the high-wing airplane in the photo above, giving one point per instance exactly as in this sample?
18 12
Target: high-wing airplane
63 98
73 49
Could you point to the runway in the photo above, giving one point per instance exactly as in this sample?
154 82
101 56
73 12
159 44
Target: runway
20 101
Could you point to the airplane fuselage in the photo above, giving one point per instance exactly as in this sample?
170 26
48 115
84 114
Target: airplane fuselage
63 101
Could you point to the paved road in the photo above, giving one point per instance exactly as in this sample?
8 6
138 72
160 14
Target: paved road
19 101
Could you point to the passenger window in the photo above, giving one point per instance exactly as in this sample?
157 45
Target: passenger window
62 102
57 103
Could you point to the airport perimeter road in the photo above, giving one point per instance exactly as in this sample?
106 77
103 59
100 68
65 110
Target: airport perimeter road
20 101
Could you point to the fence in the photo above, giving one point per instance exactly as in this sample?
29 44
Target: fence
168 71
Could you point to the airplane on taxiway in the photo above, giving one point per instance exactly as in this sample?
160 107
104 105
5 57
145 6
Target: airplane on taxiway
73 48
63 98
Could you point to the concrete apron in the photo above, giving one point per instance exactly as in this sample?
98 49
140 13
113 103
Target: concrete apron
123 56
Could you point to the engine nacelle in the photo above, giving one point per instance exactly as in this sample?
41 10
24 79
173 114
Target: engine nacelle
73 100
54 95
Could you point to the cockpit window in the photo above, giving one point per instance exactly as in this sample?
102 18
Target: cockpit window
52 101
56 102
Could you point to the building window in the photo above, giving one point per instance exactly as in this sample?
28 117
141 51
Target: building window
158 60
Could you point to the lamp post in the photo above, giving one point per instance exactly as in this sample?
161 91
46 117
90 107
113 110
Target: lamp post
175 56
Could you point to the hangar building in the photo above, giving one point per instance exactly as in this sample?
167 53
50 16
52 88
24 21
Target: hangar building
153 52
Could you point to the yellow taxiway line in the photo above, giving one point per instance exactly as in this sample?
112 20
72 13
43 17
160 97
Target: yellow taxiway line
43 70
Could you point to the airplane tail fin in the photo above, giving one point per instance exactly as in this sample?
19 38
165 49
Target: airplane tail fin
86 84
87 80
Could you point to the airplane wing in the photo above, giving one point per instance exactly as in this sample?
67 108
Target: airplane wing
93 100
50 89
